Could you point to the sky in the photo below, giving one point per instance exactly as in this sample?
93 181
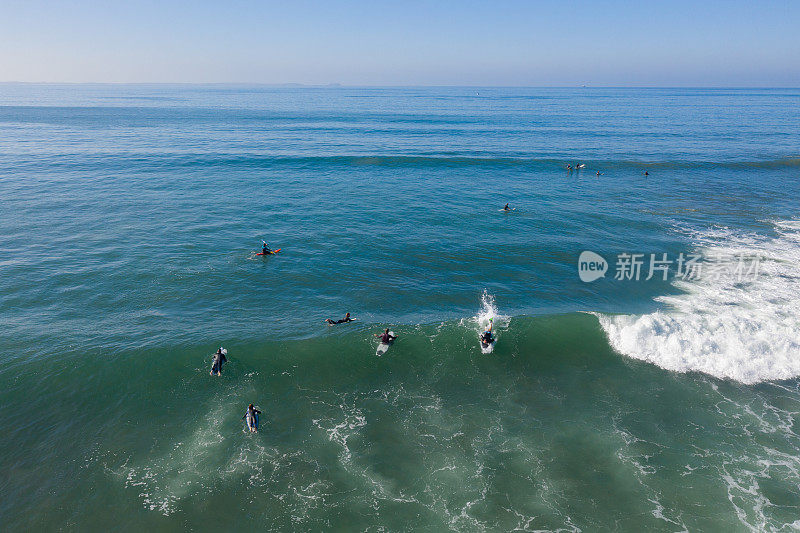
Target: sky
475 43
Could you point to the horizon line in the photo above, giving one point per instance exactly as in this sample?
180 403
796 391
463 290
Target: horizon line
335 85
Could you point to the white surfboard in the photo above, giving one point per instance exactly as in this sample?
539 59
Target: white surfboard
486 348
250 422
384 347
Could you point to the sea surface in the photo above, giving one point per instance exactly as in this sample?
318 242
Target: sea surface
131 215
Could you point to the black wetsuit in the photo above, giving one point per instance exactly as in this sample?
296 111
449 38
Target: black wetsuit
486 338
386 338
342 321
252 415
216 364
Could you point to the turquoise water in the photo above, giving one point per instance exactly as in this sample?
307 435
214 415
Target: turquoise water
132 214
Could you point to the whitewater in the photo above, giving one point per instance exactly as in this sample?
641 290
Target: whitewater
729 326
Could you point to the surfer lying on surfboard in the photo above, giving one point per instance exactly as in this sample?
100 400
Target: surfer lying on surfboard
342 321
217 360
251 418
386 336
486 337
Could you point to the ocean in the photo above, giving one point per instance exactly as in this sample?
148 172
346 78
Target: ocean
132 214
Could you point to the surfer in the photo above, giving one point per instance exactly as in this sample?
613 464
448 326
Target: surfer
486 337
569 167
341 321
386 337
264 248
251 417
506 208
598 173
217 361
646 173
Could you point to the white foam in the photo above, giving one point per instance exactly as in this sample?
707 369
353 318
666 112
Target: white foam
747 330
487 312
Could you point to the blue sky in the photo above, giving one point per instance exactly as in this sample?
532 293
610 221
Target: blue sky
529 43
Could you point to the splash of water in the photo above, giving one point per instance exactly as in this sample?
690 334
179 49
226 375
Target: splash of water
487 314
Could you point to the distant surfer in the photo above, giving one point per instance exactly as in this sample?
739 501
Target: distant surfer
386 337
217 360
646 173
506 208
569 167
251 418
264 248
579 166
341 321
598 173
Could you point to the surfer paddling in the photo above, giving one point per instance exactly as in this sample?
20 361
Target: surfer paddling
386 336
487 337
340 321
251 418
217 361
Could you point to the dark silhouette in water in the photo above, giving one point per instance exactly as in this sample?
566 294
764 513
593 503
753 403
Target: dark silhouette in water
341 321
217 362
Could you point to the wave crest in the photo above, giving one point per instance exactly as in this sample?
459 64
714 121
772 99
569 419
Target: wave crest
728 328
